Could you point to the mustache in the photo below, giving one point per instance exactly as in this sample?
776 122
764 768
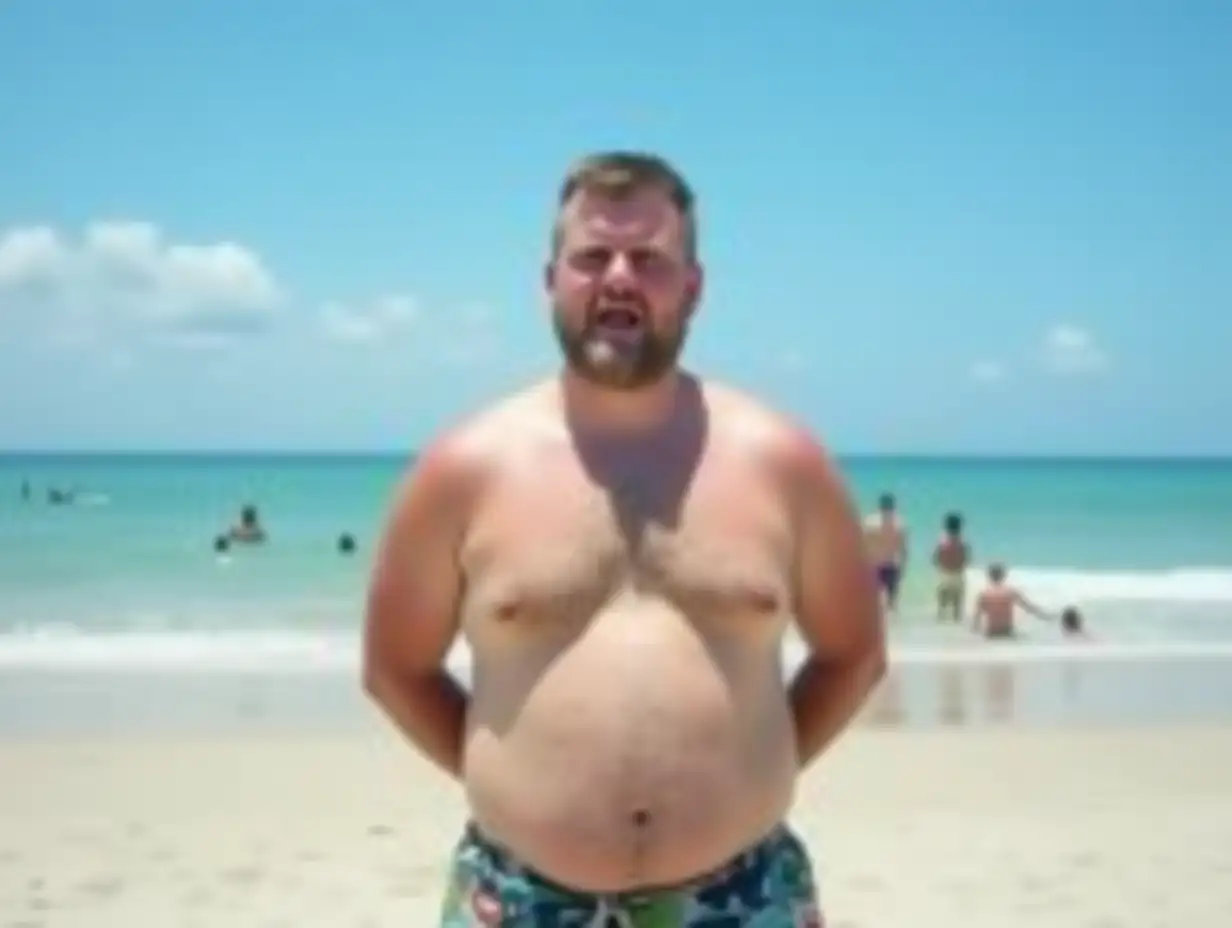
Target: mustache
614 300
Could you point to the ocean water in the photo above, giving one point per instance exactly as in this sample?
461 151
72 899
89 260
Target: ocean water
126 577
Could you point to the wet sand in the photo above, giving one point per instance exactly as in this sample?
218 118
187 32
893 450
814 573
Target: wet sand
1091 689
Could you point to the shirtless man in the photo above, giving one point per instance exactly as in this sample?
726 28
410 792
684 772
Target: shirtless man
886 537
951 557
996 603
622 547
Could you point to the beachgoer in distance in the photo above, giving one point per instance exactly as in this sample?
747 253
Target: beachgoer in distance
951 556
346 543
996 605
60 497
248 530
1072 624
623 547
885 533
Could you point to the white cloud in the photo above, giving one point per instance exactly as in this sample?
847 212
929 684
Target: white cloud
112 290
460 338
988 371
369 323
1071 351
129 273
29 256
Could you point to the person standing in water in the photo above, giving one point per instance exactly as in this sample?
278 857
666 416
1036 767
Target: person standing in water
951 557
885 534
623 546
248 530
997 604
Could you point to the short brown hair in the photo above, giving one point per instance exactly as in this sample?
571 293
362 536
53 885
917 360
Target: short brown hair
619 174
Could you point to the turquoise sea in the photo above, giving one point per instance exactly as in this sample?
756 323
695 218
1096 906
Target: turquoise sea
127 575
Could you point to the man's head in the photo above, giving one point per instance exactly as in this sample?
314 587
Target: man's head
623 277
886 503
952 524
996 572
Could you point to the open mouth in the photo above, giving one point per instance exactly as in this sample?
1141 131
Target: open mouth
619 319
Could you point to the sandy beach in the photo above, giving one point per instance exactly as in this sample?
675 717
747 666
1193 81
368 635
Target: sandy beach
992 827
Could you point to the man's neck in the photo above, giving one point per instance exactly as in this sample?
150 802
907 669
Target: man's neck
599 409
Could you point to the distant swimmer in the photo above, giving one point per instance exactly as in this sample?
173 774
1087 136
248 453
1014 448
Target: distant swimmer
995 605
346 543
1072 624
58 497
26 491
885 533
249 529
951 557
222 544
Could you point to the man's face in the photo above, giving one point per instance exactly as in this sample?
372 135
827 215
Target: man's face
622 287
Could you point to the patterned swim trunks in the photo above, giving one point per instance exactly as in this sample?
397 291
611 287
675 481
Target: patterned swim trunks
770 885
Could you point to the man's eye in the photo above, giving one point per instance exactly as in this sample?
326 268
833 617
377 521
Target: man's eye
650 262
592 258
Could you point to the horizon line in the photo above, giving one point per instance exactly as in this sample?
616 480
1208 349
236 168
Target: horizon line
921 456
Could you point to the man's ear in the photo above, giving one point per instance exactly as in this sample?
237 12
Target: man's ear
549 275
693 290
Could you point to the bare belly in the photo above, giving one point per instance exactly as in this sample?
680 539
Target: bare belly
636 754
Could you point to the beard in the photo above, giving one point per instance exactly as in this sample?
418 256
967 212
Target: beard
617 363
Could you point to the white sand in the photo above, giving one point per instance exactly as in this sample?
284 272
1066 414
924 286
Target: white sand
984 828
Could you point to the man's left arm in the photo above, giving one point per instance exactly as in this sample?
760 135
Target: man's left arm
838 607
1032 607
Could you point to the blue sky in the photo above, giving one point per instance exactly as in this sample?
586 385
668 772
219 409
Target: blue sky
928 227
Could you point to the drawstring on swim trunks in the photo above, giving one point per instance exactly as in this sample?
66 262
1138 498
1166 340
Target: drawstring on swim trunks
609 915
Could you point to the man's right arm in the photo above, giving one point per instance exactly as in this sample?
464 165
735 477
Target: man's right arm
412 606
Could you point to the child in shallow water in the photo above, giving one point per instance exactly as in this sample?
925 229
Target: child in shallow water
1071 623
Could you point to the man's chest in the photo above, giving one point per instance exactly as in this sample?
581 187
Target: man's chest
557 543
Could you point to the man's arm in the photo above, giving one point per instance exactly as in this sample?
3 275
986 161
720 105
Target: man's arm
977 613
838 607
1031 607
412 608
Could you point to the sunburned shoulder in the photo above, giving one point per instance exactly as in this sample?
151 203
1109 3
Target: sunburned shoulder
752 423
529 419
520 420
999 593
450 472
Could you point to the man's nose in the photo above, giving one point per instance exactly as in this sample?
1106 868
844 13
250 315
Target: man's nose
619 272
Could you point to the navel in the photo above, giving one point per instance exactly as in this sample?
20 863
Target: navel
506 611
763 602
